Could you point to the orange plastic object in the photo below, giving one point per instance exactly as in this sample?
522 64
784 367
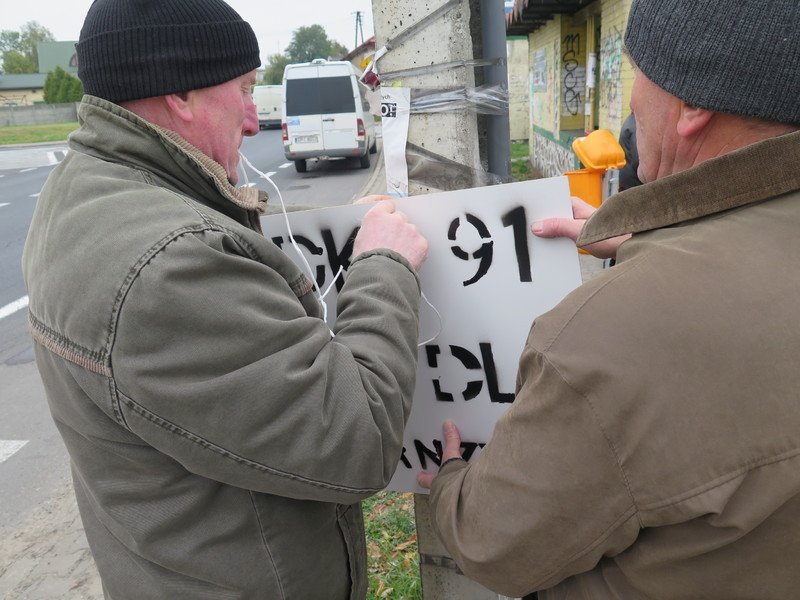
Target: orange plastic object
586 185
599 151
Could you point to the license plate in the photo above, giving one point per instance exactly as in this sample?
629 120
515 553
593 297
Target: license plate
306 139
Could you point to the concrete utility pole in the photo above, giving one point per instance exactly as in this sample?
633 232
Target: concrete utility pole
455 136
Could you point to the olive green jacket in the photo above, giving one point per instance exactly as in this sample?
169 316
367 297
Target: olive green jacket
220 438
653 449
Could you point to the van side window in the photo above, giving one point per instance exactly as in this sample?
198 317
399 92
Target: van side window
319 96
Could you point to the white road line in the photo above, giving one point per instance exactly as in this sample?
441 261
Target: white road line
10 309
9 448
51 158
2 204
28 169
2 175
33 196
270 173
285 165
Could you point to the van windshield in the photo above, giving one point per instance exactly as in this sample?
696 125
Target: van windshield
319 96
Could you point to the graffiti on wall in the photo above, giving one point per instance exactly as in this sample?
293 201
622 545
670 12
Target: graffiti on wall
573 76
544 89
550 157
611 74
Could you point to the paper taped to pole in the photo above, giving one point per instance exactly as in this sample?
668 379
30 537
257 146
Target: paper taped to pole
487 275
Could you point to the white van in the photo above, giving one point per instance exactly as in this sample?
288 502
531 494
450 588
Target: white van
325 114
268 105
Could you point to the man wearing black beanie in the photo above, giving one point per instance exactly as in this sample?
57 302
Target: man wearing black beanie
220 438
653 447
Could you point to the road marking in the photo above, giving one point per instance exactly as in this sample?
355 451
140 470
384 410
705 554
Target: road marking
9 448
285 165
51 158
29 169
2 175
2 204
33 196
10 309
270 173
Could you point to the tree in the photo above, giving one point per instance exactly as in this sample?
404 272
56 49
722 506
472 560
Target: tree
273 75
312 42
60 87
22 43
16 62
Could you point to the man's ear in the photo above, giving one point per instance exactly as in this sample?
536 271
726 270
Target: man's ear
180 105
692 120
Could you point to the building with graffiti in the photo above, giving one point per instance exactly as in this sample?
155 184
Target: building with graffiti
579 78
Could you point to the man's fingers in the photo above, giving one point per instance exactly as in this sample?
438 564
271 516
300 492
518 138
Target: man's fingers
452 441
425 479
581 209
551 228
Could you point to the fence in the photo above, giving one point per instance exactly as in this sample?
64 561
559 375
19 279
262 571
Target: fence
38 114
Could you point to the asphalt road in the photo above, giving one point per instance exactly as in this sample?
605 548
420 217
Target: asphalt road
34 468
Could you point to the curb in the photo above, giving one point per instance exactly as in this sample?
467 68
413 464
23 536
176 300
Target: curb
376 182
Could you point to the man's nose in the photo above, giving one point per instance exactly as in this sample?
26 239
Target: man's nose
250 124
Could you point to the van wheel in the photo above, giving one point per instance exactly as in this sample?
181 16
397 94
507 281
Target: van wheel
364 161
300 166
374 148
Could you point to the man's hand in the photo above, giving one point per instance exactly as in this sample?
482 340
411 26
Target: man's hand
571 228
452 449
384 227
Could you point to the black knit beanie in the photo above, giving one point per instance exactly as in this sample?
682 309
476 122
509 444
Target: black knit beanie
734 56
130 49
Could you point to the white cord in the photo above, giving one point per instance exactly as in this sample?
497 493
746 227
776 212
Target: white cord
320 296
438 314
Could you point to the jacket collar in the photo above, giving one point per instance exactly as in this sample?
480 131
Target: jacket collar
752 174
140 144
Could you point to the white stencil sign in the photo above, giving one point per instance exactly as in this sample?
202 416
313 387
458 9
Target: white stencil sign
488 277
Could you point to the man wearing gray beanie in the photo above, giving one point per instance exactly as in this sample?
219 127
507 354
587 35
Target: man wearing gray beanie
653 448
220 438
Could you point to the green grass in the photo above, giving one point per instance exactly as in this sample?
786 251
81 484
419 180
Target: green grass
519 150
392 559
520 162
29 134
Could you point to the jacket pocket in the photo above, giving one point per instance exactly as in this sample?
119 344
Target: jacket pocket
351 524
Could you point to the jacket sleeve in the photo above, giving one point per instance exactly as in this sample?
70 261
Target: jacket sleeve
218 364
545 499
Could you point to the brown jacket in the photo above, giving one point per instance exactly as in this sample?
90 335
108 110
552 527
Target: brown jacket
653 450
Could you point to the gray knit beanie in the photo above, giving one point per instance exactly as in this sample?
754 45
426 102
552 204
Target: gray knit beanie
734 56
131 49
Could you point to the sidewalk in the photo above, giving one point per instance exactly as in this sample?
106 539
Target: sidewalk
47 557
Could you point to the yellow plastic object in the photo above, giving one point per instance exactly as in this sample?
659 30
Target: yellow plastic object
599 151
586 185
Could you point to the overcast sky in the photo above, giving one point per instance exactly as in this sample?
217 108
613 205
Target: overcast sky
272 20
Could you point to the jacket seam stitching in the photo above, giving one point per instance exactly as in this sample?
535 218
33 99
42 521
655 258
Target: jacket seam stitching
60 345
602 429
136 269
113 392
299 286
723 479
266 544
200 441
